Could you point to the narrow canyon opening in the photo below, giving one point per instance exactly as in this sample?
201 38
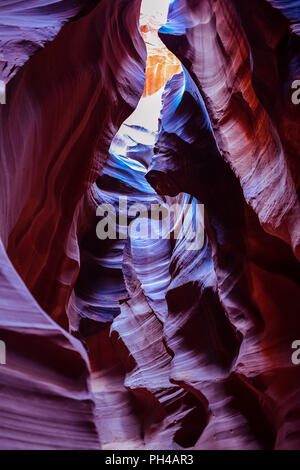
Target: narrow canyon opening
110 300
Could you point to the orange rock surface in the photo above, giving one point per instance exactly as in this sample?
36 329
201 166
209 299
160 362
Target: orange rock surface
161 63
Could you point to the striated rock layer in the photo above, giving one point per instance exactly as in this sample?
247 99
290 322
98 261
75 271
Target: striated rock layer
68 85
189 346
241 150
25 26
161 63
46 401
63 108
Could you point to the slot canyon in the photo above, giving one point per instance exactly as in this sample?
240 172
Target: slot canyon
131 342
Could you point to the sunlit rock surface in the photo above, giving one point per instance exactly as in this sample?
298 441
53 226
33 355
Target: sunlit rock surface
244 131
175 348
161 63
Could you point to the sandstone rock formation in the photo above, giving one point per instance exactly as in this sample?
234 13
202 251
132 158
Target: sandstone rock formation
54 141
147 343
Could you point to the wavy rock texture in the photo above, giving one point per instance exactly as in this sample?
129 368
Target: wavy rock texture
26 26
222 69
192 156
46 402
161 63
188 348
291 10
68 85
54 141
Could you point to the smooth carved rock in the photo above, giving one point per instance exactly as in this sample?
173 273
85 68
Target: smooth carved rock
193 156
210 41
63 109
63 150
187 348
27 26
45 396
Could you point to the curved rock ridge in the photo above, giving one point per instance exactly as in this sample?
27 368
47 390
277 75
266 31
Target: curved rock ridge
199 355
25 26
188 157
62 152
273 44
161 63
100 285
137 373
182 345
209 40
45 396
54 140
173 417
